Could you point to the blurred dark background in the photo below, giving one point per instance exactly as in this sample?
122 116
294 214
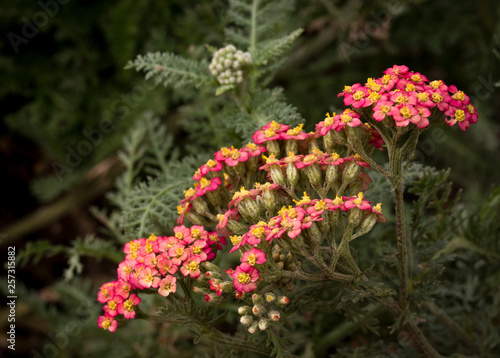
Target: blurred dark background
61 74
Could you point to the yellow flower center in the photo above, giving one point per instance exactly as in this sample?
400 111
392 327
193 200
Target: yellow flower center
128 305
328 119
258 232
436 84
180 251
385 109
196 250
416 78
235 240
405 112
320 205
296 130
204 182
436 97
335 156
410 87
373 85
378 208
193 266
269 133
190 192
402 99
386 79
252 146
338 201
374 97
459 115
243 278
195 233
358 95
423 96
470 108
459 96
347 89
345 118
106 323
251 259
274 126
310 158
226 152
359 199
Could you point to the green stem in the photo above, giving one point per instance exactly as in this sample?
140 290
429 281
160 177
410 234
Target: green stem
402 245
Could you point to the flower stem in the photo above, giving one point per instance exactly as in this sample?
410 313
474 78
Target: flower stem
402 244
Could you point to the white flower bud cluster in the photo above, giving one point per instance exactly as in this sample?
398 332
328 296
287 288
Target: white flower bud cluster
227 64
265 309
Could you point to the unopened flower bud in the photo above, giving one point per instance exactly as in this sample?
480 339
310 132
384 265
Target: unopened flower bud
253 328
292 175
246 320
213 298
280 265
351 172
263 324
200 290
244 310
329 141
256 298
236 227
283 300
211 267
258 310
274 316
269 199
367 223
212 275
200 206
354 218
273 147
277 175
332 173
270 297
314 175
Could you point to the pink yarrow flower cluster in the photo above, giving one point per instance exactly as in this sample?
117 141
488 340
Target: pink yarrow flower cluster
152 263
405 97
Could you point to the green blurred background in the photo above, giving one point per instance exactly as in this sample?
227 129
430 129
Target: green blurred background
61 75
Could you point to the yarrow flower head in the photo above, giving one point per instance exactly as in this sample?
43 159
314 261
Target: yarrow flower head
402 97
228 65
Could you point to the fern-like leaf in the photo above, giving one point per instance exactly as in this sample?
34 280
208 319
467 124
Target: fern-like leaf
171 70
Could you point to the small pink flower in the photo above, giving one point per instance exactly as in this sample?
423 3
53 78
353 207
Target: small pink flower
148 278
165 265
252 257
191 267
122 288
127 309
382 109
106 292
245 280
167 285
113 305
107 322
357 201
